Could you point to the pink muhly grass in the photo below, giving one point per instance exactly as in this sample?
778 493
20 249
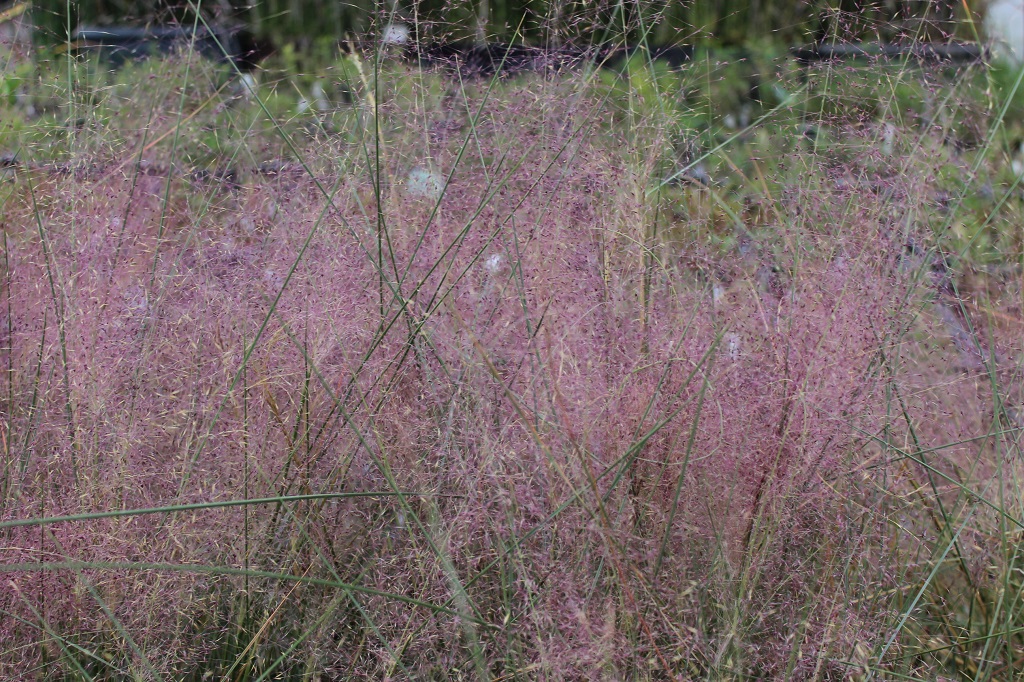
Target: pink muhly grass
608 482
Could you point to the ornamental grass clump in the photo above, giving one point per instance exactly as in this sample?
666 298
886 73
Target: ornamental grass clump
271 409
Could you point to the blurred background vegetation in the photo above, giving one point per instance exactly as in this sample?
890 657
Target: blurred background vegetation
726 23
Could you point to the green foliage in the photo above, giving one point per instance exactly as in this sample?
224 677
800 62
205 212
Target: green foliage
728 23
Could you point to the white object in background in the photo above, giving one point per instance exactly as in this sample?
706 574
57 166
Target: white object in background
888 138
493 263
1004 25
717 293
246 86
395 34
1017 164
424 184
323 104
732 342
